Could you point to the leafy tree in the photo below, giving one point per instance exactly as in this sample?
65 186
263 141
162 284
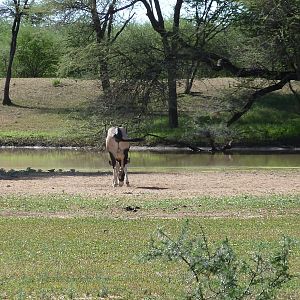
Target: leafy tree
170 42
79 51
4 48
38 53
209 19
269 25
277 22
138 52
101 15
16 10
272 25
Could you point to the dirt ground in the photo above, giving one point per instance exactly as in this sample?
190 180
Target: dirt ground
159 185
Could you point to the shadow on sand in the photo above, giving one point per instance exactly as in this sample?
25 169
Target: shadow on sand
30 175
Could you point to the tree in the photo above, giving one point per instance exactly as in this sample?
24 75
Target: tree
138 51
79 51
275 26
102 15
170 42
209 18
277 23
16 10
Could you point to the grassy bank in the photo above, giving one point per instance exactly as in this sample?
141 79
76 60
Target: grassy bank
69 114
46 114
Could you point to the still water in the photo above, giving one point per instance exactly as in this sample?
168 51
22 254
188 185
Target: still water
44 159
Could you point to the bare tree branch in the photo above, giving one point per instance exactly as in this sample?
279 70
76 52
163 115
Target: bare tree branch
218 62
252 98
122 28
150 14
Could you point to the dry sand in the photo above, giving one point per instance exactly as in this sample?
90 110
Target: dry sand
160 185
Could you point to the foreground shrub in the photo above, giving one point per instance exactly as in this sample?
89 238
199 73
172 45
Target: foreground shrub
218 273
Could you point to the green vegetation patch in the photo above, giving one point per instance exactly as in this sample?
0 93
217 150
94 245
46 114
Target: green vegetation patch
47 113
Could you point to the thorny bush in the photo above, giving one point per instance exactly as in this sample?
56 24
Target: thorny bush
218 273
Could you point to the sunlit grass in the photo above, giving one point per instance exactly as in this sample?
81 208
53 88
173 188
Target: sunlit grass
46 257
79 247
45 114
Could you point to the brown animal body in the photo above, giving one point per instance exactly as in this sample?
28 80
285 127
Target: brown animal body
117 145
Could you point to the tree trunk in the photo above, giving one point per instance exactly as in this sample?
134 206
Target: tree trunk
104 77
172 93
13 47
191 77
6 97
100 29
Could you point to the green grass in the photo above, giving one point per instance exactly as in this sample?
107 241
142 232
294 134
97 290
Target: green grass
274 119
85 249
46 114
54 257
159 125
79 204
44 138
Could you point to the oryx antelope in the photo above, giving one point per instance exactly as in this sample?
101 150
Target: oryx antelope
117 145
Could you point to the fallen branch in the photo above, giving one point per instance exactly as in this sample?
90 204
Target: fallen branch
194 148
177 143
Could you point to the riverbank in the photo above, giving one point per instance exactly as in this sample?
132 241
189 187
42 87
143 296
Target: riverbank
237 150
170 149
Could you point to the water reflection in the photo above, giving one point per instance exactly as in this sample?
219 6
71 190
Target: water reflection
91 160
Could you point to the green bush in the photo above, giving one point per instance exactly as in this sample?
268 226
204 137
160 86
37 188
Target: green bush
4 47
217 271
37 54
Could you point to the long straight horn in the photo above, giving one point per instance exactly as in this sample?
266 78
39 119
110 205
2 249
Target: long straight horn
134 140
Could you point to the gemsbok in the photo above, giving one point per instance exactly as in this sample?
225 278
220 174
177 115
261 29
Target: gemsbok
117 145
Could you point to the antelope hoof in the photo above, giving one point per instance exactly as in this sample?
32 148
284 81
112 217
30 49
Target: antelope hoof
121 183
